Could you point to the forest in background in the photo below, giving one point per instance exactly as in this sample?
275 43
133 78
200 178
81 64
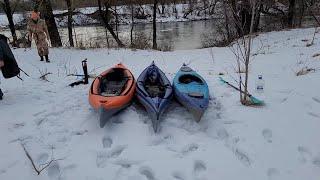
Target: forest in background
235 16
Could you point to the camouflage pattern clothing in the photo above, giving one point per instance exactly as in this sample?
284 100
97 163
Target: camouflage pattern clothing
39 31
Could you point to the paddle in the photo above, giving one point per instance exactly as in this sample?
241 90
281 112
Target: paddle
253 99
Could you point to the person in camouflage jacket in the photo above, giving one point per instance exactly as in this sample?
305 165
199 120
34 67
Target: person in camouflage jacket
38 30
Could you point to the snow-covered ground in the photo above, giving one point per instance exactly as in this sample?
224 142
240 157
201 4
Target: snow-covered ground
277 141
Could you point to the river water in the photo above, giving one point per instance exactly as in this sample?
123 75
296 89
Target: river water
171 35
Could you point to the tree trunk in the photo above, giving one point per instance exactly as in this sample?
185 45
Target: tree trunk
132 23
236 18
7 9
70 12
257 18
248 51
106 23
117 21
47 13
291 13
163 7
226 21
301 11
155 4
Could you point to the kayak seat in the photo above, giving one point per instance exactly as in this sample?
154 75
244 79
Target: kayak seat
188 78
196 95
155 90
113 83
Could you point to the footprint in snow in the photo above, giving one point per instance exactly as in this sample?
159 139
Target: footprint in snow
147 172
314 114
70 167
190 148
136 177
126 163
316 162
199 166
267 135
272 173
305 153
79 132
101 159
106 142
114 153
222 134
54 171
2 171
42 158
178 176
18 125
316 99
39 113
242 157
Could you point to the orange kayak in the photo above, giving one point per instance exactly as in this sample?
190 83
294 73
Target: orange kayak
112 91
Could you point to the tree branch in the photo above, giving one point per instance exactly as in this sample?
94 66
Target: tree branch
38 171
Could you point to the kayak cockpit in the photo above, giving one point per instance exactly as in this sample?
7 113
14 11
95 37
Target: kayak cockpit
188 78
114 82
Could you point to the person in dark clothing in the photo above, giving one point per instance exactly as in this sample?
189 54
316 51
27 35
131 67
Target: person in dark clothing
1 65
8 64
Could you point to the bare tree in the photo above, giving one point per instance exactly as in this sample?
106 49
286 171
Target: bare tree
117 18
104 16
154 21
242 51
291 13
7 9
70 20
132 22
43 166
47 13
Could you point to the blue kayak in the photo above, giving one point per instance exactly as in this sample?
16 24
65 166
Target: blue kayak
192 91
154 92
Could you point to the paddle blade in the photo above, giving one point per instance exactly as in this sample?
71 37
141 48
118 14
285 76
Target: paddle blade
256 101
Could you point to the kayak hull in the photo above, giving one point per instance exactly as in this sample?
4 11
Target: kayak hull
110 104
155 106
192 91
108 113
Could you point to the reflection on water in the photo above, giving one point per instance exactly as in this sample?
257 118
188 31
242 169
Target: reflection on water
178 35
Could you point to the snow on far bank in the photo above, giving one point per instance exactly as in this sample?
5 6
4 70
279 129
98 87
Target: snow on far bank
17 18
83 17
277 141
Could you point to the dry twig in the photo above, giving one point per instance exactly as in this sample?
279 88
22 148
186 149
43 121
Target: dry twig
45 165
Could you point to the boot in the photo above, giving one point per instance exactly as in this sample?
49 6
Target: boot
1 95
41 58
47 58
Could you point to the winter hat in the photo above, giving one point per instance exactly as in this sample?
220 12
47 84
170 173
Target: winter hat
35 15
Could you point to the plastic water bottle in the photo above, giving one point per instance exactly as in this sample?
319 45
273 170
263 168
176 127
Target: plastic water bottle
260 85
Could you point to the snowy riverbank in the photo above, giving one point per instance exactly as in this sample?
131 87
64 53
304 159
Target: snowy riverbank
277 141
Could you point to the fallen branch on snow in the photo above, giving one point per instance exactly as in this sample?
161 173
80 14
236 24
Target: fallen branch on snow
38 170
316 55
44 76
305 71
79 75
